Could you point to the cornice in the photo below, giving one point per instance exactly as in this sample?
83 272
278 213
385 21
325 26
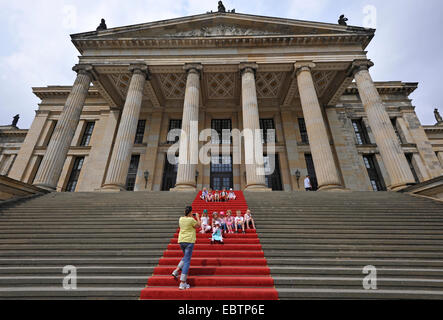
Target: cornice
223 42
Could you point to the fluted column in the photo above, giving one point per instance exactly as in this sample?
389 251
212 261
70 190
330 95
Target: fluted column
55 156
188 154
391 152
325 167
255 173
124 142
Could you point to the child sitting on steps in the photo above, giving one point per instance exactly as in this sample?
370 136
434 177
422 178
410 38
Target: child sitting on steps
217 236
205 222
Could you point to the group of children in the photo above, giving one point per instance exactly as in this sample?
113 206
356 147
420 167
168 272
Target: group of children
216 196
225 223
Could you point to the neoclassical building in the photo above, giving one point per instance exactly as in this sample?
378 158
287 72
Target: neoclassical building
308 81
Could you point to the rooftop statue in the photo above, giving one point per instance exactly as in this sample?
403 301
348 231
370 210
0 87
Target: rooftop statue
15 121
221 7
102 25
438 116
342 21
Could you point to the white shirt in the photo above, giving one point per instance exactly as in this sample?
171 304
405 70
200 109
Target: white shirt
239 220
205 221
308 183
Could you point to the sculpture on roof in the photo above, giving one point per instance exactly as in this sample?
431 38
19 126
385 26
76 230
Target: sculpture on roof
438 116
342 21
102 25
15 120
221 7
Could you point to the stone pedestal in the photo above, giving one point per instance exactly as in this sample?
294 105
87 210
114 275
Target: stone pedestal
390 150
255 172
124 142
55 156
325 167
188 154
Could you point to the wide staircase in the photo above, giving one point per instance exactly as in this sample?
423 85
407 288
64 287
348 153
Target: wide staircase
235 270
114 241
308 245
317 244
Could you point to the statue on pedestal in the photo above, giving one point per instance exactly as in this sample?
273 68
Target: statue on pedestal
15 120
102 26
221 7
438 116
342 21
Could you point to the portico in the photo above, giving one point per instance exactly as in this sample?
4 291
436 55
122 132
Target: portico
219 71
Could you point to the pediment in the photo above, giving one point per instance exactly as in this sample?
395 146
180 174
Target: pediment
222 25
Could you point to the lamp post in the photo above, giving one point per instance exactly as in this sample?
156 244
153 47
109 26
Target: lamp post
146 174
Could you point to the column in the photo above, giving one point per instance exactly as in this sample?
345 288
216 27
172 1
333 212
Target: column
54 159
385 137
255 173
188 154
124 142
325 167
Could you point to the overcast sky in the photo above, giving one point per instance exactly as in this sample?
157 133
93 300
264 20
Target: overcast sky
36 50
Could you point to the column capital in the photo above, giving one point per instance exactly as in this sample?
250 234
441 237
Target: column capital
139 68
303 66
248 67
86 69
196 68
359 65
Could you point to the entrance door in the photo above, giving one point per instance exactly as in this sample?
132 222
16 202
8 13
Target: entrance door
222 173
273 178
311 171
170 175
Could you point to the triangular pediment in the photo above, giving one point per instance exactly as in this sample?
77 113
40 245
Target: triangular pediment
222 25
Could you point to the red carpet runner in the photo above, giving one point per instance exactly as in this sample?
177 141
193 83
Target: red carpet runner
236 270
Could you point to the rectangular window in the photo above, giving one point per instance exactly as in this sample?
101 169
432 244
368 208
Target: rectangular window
268 125
374 173
132 173
75 174
140 132
360 132
409 157
38 162
87 135
394 125
219 126
50 133
174 124
303 131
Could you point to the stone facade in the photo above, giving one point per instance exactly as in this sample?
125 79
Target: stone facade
109 131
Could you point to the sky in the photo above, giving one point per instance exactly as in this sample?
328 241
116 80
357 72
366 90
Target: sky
36 50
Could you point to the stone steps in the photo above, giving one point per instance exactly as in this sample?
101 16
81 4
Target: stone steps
317 244
114 241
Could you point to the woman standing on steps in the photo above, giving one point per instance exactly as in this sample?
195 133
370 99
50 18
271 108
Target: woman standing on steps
187 239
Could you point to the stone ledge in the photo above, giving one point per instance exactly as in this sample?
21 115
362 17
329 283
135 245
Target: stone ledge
11 189
432 189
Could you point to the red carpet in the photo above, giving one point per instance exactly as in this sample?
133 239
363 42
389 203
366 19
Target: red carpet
236 270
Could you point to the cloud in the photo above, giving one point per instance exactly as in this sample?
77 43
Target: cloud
36 49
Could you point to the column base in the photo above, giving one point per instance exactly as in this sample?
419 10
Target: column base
257 188
112 188
399 187
46 187
184 188
333 188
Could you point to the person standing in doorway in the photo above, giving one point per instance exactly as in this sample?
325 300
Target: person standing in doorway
308 184
186 240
